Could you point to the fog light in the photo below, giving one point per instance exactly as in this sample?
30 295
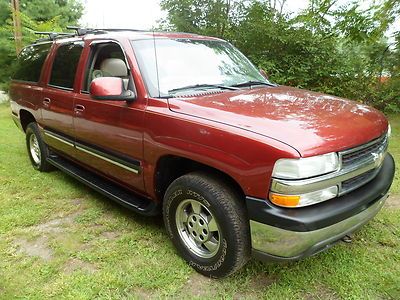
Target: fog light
304 199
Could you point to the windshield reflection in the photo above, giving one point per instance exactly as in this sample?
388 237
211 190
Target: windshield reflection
178 63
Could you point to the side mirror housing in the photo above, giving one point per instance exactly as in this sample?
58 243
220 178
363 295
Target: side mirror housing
110 88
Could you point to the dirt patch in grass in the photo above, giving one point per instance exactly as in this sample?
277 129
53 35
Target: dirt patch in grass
78 201
141 293
110 235
36 248
393 202
321 293
39 247
56 225
256 287
198 286
53 226
261 281
75 264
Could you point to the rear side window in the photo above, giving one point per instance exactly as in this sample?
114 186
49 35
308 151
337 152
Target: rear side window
30 62
65 65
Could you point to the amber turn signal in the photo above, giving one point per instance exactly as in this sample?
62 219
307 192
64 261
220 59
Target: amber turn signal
284 200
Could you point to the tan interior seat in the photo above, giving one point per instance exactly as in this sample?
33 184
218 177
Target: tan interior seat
113 67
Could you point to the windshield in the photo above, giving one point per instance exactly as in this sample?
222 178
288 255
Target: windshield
186 64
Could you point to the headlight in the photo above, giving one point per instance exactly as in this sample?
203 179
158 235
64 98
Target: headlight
306 167
389 132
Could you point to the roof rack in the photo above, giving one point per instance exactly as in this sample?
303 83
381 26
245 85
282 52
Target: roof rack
52 35
79 32
123 29
83 31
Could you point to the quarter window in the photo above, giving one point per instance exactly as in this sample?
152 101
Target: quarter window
65 65
30 62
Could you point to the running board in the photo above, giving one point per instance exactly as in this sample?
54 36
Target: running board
103 186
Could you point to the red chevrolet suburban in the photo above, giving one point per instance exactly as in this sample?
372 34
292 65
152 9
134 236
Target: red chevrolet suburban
185 126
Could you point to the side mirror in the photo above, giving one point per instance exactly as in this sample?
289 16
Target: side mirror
264 74
110 88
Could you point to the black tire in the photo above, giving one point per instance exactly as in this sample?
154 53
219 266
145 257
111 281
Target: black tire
218 201
38 159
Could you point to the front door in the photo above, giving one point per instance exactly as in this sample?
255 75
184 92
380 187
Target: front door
109 134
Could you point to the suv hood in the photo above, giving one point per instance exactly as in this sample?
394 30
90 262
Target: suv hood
310 122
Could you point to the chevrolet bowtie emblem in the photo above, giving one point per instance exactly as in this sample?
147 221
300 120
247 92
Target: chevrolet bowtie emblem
377 158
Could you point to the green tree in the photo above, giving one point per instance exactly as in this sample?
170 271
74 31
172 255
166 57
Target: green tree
210 17
4 11
36 15
68 11
338 49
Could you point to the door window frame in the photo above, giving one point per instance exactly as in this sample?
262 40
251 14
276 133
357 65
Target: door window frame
91 60
78 42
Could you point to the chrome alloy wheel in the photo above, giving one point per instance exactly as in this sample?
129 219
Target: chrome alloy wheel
35 149
198 229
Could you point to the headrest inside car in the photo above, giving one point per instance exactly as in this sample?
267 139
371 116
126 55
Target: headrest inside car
114 67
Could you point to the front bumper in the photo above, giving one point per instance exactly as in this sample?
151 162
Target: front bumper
289 234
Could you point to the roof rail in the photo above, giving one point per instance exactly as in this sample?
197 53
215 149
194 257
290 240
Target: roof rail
53 35
83 31
79 32
123 29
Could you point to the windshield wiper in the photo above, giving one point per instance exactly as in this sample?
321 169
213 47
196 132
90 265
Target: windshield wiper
253 82
203 86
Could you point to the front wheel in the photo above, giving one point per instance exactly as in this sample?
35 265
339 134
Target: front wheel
207 222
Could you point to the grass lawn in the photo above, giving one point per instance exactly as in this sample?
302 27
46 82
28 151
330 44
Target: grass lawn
59 239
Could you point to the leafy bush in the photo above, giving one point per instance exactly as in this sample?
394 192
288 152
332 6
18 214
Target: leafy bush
337 50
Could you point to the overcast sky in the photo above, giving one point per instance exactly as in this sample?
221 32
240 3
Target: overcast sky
139 14
143 14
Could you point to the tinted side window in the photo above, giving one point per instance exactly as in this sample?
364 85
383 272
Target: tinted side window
30 62
65 65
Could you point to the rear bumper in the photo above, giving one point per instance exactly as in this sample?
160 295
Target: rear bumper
290 234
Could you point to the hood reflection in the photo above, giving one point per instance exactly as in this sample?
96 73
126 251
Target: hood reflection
310 122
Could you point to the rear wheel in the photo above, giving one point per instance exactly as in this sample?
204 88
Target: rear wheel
37 149
207 222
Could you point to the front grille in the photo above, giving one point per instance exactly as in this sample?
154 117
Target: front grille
370 153
361 154
354 183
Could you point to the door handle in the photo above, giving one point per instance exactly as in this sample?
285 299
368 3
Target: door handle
79 108
46 102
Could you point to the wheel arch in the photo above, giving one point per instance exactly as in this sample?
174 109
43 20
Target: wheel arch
171 167
25 118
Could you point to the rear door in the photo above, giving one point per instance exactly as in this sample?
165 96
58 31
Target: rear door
58 97
109 134
26 86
